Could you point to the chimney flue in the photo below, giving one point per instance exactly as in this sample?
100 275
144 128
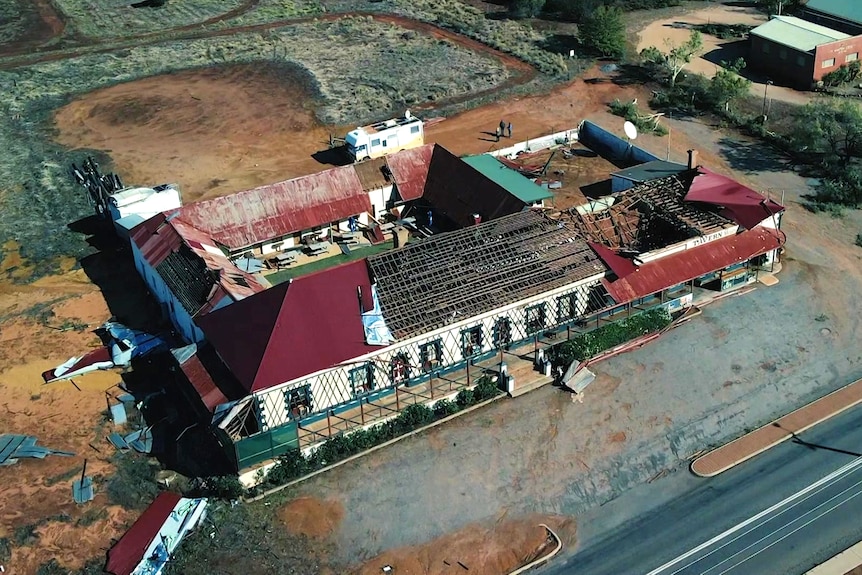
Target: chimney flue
692 159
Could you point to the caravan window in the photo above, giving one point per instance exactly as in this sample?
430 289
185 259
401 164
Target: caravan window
414 129
375 142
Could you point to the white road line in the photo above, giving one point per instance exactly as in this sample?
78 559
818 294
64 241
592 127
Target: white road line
803 526
776 516
785 526
799 494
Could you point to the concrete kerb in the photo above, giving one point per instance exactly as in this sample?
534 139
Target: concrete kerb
372 449
785 436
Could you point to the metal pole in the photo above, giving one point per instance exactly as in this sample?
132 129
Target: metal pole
362 411
397 402
468 372
328 424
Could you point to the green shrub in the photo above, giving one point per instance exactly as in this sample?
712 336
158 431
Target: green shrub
644 124
5 550
415 416
289 466
859 240
445 408
590 344
222 486
485 389
464 398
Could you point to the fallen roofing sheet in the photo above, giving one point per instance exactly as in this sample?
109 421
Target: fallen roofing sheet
91 361
692 263
741 204
147 546
14 447
410 170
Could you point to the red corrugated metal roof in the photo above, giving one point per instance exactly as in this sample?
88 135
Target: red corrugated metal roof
125 555
267 212
293 329
410 170
693 263
203 383
159 236
741 204
619 265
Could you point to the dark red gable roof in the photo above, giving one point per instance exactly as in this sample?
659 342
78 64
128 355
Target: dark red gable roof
125 555
692 263
741 204
410 170
293 329
619 265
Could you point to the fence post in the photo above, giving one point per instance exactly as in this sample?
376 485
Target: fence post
362 410
328 424
468 372
397 402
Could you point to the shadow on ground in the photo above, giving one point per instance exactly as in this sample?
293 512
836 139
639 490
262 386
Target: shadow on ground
751 157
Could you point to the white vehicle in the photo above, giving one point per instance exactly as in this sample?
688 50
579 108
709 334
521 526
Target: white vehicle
385 137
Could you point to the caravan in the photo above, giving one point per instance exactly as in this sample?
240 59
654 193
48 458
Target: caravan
386 137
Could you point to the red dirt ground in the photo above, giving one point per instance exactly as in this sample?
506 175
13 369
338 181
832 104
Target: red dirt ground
482 550
41 29
311 517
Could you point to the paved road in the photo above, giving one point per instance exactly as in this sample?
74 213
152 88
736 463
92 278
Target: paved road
781 513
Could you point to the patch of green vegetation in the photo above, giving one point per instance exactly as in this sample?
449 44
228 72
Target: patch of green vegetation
858 241
5 550
92 515
92 567
644 124
724 31
245 539
587 345
277 10
109 19
294 464
133 485
25 535
327 262
17 17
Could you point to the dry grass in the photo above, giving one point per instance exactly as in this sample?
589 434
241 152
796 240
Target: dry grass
17 18
112 19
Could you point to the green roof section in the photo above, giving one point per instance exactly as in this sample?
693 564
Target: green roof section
796 33
845 9
516 184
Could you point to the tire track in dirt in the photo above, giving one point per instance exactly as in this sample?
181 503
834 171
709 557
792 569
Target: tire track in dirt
520 71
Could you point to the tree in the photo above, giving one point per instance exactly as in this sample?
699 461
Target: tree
831 128
677 57
604 31
526 8
727 85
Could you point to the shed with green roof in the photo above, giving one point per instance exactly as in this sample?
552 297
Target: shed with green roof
513 182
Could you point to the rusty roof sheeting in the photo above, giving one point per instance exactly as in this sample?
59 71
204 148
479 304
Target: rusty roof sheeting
371 174
275 210
410 170
692 263
159 237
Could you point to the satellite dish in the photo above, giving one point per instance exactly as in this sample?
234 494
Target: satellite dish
630 130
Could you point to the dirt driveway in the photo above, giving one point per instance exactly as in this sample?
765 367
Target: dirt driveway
676 30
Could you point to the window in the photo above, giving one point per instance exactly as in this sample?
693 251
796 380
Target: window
502 332
471 341
277 246
414 129
782 54
384 143
851 57
765 47
828 63
362 379
298 401
800 61
375 142
567 307
430 354
535 319
399 368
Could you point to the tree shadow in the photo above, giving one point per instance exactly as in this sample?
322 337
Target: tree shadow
562 44
597 189
633 74
728 52
751 157
814 446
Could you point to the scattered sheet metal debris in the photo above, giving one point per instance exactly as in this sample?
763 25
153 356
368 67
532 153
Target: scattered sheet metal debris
121 345
140 440
14 447
82 489
118 413
147 546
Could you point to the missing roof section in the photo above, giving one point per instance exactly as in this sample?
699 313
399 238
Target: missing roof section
650 216
454 276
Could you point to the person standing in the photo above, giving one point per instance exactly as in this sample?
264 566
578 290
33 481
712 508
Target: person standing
498 132
509 129
502 127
